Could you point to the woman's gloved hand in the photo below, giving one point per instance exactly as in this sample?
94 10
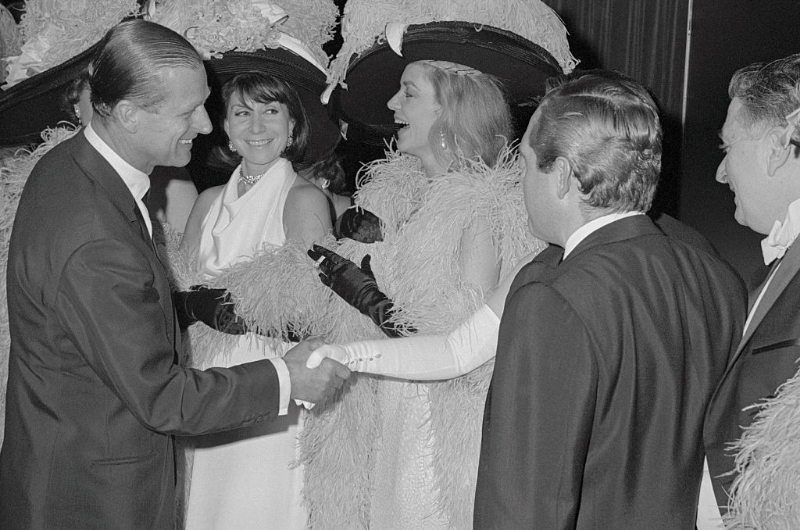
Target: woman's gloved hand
359 225
357 286
213 307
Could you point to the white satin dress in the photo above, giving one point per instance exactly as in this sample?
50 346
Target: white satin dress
241 479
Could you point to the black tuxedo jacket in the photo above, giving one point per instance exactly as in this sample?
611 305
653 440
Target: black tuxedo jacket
605 364
766 357
94 391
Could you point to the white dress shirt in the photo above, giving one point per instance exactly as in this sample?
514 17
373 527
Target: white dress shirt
592 226
137 181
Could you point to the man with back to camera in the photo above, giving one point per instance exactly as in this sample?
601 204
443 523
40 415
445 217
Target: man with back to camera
94 392
609 350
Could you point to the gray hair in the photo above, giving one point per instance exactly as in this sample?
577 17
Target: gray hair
768 92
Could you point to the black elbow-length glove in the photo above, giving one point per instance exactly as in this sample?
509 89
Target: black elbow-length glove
356 286
213 307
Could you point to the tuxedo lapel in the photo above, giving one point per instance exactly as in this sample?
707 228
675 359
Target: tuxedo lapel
789 267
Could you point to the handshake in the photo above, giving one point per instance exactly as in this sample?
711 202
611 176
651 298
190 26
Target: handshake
314 378
312 381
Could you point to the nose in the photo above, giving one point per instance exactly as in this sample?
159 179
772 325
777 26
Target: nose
202 123
393 103
256 123
722 175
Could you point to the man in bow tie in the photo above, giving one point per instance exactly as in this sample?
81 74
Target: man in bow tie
762 167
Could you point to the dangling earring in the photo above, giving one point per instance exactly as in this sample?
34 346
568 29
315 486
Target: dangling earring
442 140
325 184
289 141
77 110
231 147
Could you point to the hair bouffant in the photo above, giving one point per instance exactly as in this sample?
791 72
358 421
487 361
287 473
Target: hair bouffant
263 88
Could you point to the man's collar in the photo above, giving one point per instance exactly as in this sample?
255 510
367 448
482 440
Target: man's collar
137 182
595 224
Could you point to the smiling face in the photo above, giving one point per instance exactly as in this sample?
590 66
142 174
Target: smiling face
165 134
259 131
415 107
759 199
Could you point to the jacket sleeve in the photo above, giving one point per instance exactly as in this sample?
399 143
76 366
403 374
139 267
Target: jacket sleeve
115 318
538 416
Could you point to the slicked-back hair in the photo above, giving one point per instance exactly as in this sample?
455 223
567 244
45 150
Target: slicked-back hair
263 88
475 120
607 126
768 92
130 65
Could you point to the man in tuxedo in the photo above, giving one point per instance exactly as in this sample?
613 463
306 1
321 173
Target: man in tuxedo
762 167
612 340
95 395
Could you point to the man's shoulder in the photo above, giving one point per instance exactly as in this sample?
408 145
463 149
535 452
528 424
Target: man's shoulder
680 231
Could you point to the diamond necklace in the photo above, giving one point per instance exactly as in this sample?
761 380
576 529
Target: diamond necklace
250 179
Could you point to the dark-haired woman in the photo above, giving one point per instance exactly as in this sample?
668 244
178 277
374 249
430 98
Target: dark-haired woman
242 478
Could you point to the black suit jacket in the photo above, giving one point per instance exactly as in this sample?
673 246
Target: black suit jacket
604 367
94 391
766 357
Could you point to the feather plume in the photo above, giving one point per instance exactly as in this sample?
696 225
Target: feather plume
364 22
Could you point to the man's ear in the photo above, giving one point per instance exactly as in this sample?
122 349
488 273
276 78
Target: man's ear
563 177
776 152
127 114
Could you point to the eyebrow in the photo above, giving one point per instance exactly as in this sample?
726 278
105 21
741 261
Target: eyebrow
409 84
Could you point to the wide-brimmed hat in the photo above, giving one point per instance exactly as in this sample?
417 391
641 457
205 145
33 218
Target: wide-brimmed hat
521 42
60 41
282 39
373 77
36 103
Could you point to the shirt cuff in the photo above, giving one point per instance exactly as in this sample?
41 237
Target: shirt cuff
285 384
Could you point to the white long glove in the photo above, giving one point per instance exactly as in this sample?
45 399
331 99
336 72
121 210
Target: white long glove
421 357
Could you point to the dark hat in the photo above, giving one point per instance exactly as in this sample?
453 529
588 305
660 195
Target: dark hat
36 103
374 76
307 79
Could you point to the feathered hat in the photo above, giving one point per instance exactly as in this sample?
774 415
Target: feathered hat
10 39
59 40
521 42
232 35
282 38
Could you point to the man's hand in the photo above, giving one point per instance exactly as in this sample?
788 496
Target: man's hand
313 385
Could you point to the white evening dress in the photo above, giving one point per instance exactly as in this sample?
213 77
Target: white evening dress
241 479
